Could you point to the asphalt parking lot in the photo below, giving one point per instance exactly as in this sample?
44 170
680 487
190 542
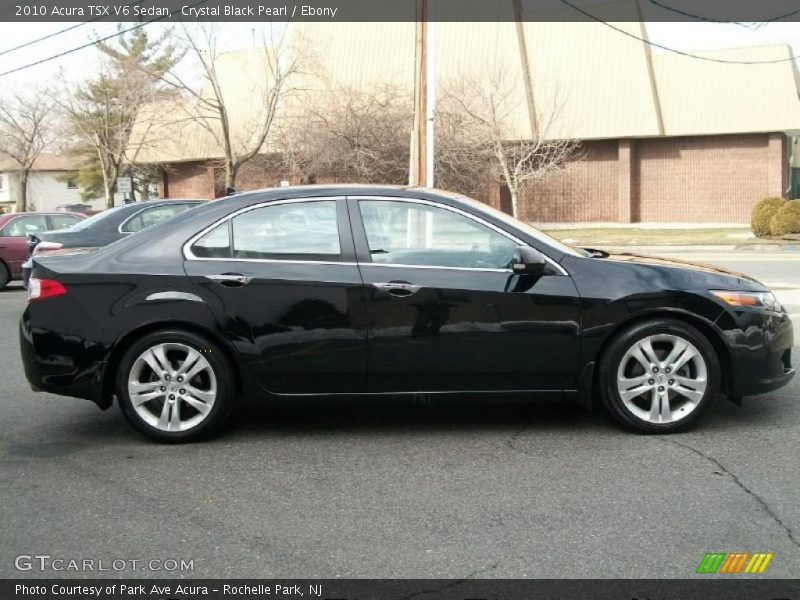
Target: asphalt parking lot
389 491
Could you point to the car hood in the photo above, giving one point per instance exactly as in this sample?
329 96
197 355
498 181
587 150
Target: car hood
735 278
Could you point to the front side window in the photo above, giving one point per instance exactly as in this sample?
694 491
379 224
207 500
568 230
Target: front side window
153 216
295 230
408 233
22 226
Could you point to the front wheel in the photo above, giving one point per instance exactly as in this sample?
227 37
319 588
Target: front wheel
659 376
175 386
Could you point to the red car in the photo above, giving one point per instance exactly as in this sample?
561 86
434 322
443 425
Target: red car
14 230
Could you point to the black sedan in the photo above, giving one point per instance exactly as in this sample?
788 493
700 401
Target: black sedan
104 228
345 291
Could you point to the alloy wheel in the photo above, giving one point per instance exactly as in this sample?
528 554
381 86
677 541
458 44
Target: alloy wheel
172 387
662 378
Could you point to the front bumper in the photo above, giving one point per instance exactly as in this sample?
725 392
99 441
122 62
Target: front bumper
760 345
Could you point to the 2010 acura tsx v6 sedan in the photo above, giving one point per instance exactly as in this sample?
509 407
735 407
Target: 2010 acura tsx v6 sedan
341 291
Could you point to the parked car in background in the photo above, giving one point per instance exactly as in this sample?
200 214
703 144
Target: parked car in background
14 230
327 291
104 228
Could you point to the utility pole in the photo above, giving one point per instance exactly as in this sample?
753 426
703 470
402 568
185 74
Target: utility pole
421 171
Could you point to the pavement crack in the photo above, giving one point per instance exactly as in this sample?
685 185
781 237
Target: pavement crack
452 584
511 440
723 470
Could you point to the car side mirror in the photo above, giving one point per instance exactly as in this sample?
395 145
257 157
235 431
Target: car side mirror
527 261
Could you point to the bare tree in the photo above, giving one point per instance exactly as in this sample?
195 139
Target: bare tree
350 134
26 130
274 76
487 108
102 112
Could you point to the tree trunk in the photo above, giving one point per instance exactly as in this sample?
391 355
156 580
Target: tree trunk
514 201
22 201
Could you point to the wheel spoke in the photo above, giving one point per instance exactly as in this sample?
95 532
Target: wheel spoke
633 392
666 412
175 416
676 351
192 356
693 389
206 396
654 406
144 392
163 421
200 406
200 365
688 354
647 347
638 354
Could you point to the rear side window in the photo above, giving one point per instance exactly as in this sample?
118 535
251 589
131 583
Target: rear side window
62 221
152 216
292 231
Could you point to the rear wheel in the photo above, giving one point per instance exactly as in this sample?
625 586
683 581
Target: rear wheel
659 376
175 386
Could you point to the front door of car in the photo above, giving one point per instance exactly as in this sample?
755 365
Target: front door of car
445 311
282 282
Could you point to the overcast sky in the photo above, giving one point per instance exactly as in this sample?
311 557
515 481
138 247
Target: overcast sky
682 36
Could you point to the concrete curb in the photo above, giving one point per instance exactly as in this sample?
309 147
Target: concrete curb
788 248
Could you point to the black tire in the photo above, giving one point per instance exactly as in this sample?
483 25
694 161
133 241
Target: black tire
5 275
225 386
610 364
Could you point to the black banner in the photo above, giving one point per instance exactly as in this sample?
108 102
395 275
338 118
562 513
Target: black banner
734 588
741 11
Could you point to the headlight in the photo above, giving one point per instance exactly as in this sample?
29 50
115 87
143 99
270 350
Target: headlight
766 300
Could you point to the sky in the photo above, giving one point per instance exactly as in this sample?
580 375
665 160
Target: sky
81 64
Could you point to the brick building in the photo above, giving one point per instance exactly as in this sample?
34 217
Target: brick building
665 137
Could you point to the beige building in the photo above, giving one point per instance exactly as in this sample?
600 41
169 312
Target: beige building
665 137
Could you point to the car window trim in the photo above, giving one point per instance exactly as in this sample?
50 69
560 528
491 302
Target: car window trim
189 255
463 213
141 210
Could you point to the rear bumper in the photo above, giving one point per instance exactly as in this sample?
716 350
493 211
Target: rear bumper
760 345
61 364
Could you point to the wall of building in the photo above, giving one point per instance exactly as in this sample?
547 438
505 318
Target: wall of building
705 179
46 191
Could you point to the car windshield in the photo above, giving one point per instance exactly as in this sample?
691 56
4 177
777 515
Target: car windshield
537 233
94 219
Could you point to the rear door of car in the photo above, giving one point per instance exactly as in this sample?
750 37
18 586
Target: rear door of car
282 281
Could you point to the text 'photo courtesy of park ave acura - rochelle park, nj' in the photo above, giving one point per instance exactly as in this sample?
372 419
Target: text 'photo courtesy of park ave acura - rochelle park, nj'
400 299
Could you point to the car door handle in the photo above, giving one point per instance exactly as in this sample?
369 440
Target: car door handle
230 279
401 289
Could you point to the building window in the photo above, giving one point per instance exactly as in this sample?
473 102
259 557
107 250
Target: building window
72 184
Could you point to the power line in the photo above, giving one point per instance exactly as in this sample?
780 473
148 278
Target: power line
673 50
95 42
712 20
52 35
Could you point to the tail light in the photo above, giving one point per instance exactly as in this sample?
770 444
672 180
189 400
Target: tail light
39 289
45 247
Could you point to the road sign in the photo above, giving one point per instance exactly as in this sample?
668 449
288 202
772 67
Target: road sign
124 185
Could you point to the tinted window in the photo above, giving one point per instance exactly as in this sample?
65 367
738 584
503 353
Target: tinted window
418 234
63 221
22 226
152 216
302 230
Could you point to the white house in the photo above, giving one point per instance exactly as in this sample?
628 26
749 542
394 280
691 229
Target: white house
49 187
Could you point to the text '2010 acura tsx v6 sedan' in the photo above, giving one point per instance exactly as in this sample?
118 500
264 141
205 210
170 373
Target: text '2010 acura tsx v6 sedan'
342 291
